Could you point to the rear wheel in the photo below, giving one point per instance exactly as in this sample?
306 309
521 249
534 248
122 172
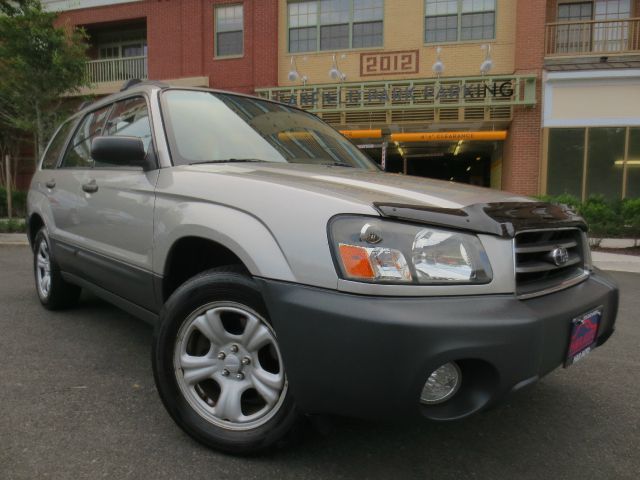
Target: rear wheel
54 293
218 366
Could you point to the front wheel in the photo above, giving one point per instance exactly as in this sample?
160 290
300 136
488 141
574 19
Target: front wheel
218 366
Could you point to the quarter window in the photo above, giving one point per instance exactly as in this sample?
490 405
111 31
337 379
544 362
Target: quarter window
229 31
78 153
335 24
459 20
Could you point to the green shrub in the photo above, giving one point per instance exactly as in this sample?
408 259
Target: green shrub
565 199
630 211
605 218
12 226
19 200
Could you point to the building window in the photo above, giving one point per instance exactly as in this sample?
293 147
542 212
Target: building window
334 24
605 162
566 159
303 26
459 20
574 35
609 155
575 12
633 164
229 31
577 34
121 44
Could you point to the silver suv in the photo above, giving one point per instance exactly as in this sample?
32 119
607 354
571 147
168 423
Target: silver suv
285 274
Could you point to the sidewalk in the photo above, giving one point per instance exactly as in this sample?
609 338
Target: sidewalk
605 261
616 262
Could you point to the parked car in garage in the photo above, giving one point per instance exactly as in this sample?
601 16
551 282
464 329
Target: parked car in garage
285 274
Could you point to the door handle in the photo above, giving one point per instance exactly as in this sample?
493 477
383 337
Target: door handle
51 184
90 187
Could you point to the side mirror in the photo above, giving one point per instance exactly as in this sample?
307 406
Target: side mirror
120 151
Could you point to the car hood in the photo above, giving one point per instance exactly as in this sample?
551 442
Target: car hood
363 186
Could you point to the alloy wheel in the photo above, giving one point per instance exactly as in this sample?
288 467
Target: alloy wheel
43 270
228 366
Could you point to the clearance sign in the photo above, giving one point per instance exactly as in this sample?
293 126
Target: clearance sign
429 136
448 136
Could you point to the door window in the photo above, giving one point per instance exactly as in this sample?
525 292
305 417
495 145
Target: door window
78 153
130 118
51 156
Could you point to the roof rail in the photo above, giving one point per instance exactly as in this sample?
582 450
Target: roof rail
136 81
84 104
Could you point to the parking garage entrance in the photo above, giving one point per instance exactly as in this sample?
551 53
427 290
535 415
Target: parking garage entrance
474 158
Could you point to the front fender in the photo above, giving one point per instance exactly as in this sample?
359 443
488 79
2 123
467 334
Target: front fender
244 234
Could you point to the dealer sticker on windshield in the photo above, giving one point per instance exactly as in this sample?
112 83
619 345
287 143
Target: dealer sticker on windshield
584 332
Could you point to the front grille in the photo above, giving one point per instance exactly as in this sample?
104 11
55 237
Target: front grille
536 269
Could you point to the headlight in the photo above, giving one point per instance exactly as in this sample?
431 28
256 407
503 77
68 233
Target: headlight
382 251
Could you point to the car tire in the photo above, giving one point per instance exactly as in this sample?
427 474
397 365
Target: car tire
217 364
53 291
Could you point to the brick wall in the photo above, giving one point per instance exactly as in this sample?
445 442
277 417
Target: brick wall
180 39
522 150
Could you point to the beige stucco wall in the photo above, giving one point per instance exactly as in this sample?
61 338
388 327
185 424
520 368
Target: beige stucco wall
404 30
592 98
596 101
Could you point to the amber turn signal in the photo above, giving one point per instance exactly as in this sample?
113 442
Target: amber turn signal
356 261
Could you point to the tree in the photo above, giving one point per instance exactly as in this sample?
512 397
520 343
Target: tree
39 64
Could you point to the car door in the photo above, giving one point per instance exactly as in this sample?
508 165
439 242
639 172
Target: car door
46 181
68 203
119 222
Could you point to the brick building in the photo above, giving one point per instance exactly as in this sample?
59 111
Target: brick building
531 96
221 43
439 88
591 91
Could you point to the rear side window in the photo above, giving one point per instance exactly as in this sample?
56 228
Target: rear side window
51 156
79 151
130 118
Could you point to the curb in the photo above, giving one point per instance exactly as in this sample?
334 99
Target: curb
13 239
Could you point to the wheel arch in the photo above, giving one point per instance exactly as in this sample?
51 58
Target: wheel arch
194 249
35 223
191 255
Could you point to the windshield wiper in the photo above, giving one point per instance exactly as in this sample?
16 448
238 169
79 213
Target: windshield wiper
230 160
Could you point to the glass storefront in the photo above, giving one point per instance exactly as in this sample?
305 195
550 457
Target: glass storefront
633 164
566 156
609 155
604 173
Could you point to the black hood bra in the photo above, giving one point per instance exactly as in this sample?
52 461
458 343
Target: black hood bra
503 219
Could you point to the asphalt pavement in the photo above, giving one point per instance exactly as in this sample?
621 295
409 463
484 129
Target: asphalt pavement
77 400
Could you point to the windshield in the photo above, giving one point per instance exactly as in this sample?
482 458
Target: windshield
208 127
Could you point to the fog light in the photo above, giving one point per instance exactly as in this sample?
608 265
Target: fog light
442 384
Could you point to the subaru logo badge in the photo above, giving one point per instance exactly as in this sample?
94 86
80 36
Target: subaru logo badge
560 256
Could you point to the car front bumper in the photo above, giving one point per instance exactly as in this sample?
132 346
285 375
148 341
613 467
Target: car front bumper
369 356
